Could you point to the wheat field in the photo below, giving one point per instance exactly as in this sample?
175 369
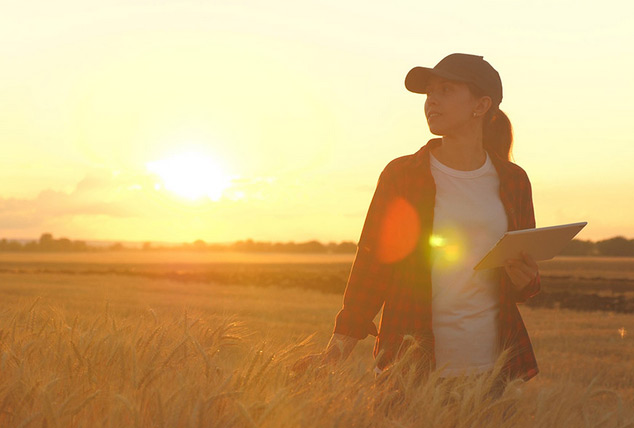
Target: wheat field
102 350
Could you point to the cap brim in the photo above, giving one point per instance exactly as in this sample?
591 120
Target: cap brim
417 78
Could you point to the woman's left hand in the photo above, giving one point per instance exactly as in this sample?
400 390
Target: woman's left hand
521 271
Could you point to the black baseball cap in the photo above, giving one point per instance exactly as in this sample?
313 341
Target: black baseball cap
462 68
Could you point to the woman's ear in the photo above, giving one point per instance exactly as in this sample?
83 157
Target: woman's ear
482 106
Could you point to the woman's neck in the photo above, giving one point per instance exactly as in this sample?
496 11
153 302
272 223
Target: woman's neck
463 154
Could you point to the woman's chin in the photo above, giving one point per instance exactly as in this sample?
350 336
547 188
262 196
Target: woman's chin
436 131
435 128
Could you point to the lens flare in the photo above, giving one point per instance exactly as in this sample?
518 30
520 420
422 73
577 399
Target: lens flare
400 228
448 247
437 241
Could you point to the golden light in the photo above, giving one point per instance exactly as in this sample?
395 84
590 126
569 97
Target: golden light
191 175
399 231
448 246
437 241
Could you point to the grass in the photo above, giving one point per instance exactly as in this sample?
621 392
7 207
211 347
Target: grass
123 351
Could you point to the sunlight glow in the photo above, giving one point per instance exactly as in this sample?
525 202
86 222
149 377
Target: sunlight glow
191 175
622 332
437 241
448 247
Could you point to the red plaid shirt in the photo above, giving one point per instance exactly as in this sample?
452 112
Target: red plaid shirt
392 266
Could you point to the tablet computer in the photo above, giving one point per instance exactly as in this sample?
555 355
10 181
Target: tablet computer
541 243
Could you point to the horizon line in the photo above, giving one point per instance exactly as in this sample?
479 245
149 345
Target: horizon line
141 242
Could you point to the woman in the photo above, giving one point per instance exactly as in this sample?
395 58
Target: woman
433 216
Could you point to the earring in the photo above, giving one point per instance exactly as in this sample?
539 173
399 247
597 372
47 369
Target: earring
475 114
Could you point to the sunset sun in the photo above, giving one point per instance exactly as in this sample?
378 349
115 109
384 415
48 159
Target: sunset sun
191 175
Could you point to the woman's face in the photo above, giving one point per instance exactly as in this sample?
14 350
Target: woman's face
449 106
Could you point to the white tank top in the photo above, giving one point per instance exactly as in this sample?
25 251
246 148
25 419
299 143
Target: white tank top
469 218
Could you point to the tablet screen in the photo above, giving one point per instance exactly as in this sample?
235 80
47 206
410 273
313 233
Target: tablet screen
542 243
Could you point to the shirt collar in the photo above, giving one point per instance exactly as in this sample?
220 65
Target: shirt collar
421 159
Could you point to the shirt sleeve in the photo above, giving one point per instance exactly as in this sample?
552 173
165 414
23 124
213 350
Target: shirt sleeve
369 277
527 221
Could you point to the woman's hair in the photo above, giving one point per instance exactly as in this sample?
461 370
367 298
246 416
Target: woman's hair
497 132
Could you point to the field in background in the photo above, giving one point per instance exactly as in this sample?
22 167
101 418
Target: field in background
589 267
568 267
158 342
580 283
169 258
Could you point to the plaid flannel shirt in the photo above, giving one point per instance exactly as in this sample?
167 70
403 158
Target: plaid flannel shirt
392 265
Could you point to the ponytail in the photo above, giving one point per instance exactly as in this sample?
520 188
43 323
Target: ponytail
497 133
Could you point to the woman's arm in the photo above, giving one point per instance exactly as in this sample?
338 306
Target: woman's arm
369 277
365 290
524 273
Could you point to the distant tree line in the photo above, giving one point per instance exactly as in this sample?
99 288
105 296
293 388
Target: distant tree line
618 246
47 243
251 246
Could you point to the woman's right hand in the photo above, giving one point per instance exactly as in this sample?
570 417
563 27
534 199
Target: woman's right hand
306 362
338 349
329 357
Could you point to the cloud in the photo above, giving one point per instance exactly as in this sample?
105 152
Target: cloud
97 194
135 206
117 196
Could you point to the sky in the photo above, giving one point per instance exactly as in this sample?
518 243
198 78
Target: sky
227 120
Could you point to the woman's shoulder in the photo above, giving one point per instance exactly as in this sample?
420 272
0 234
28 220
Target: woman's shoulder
400 163
407 163
509 170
